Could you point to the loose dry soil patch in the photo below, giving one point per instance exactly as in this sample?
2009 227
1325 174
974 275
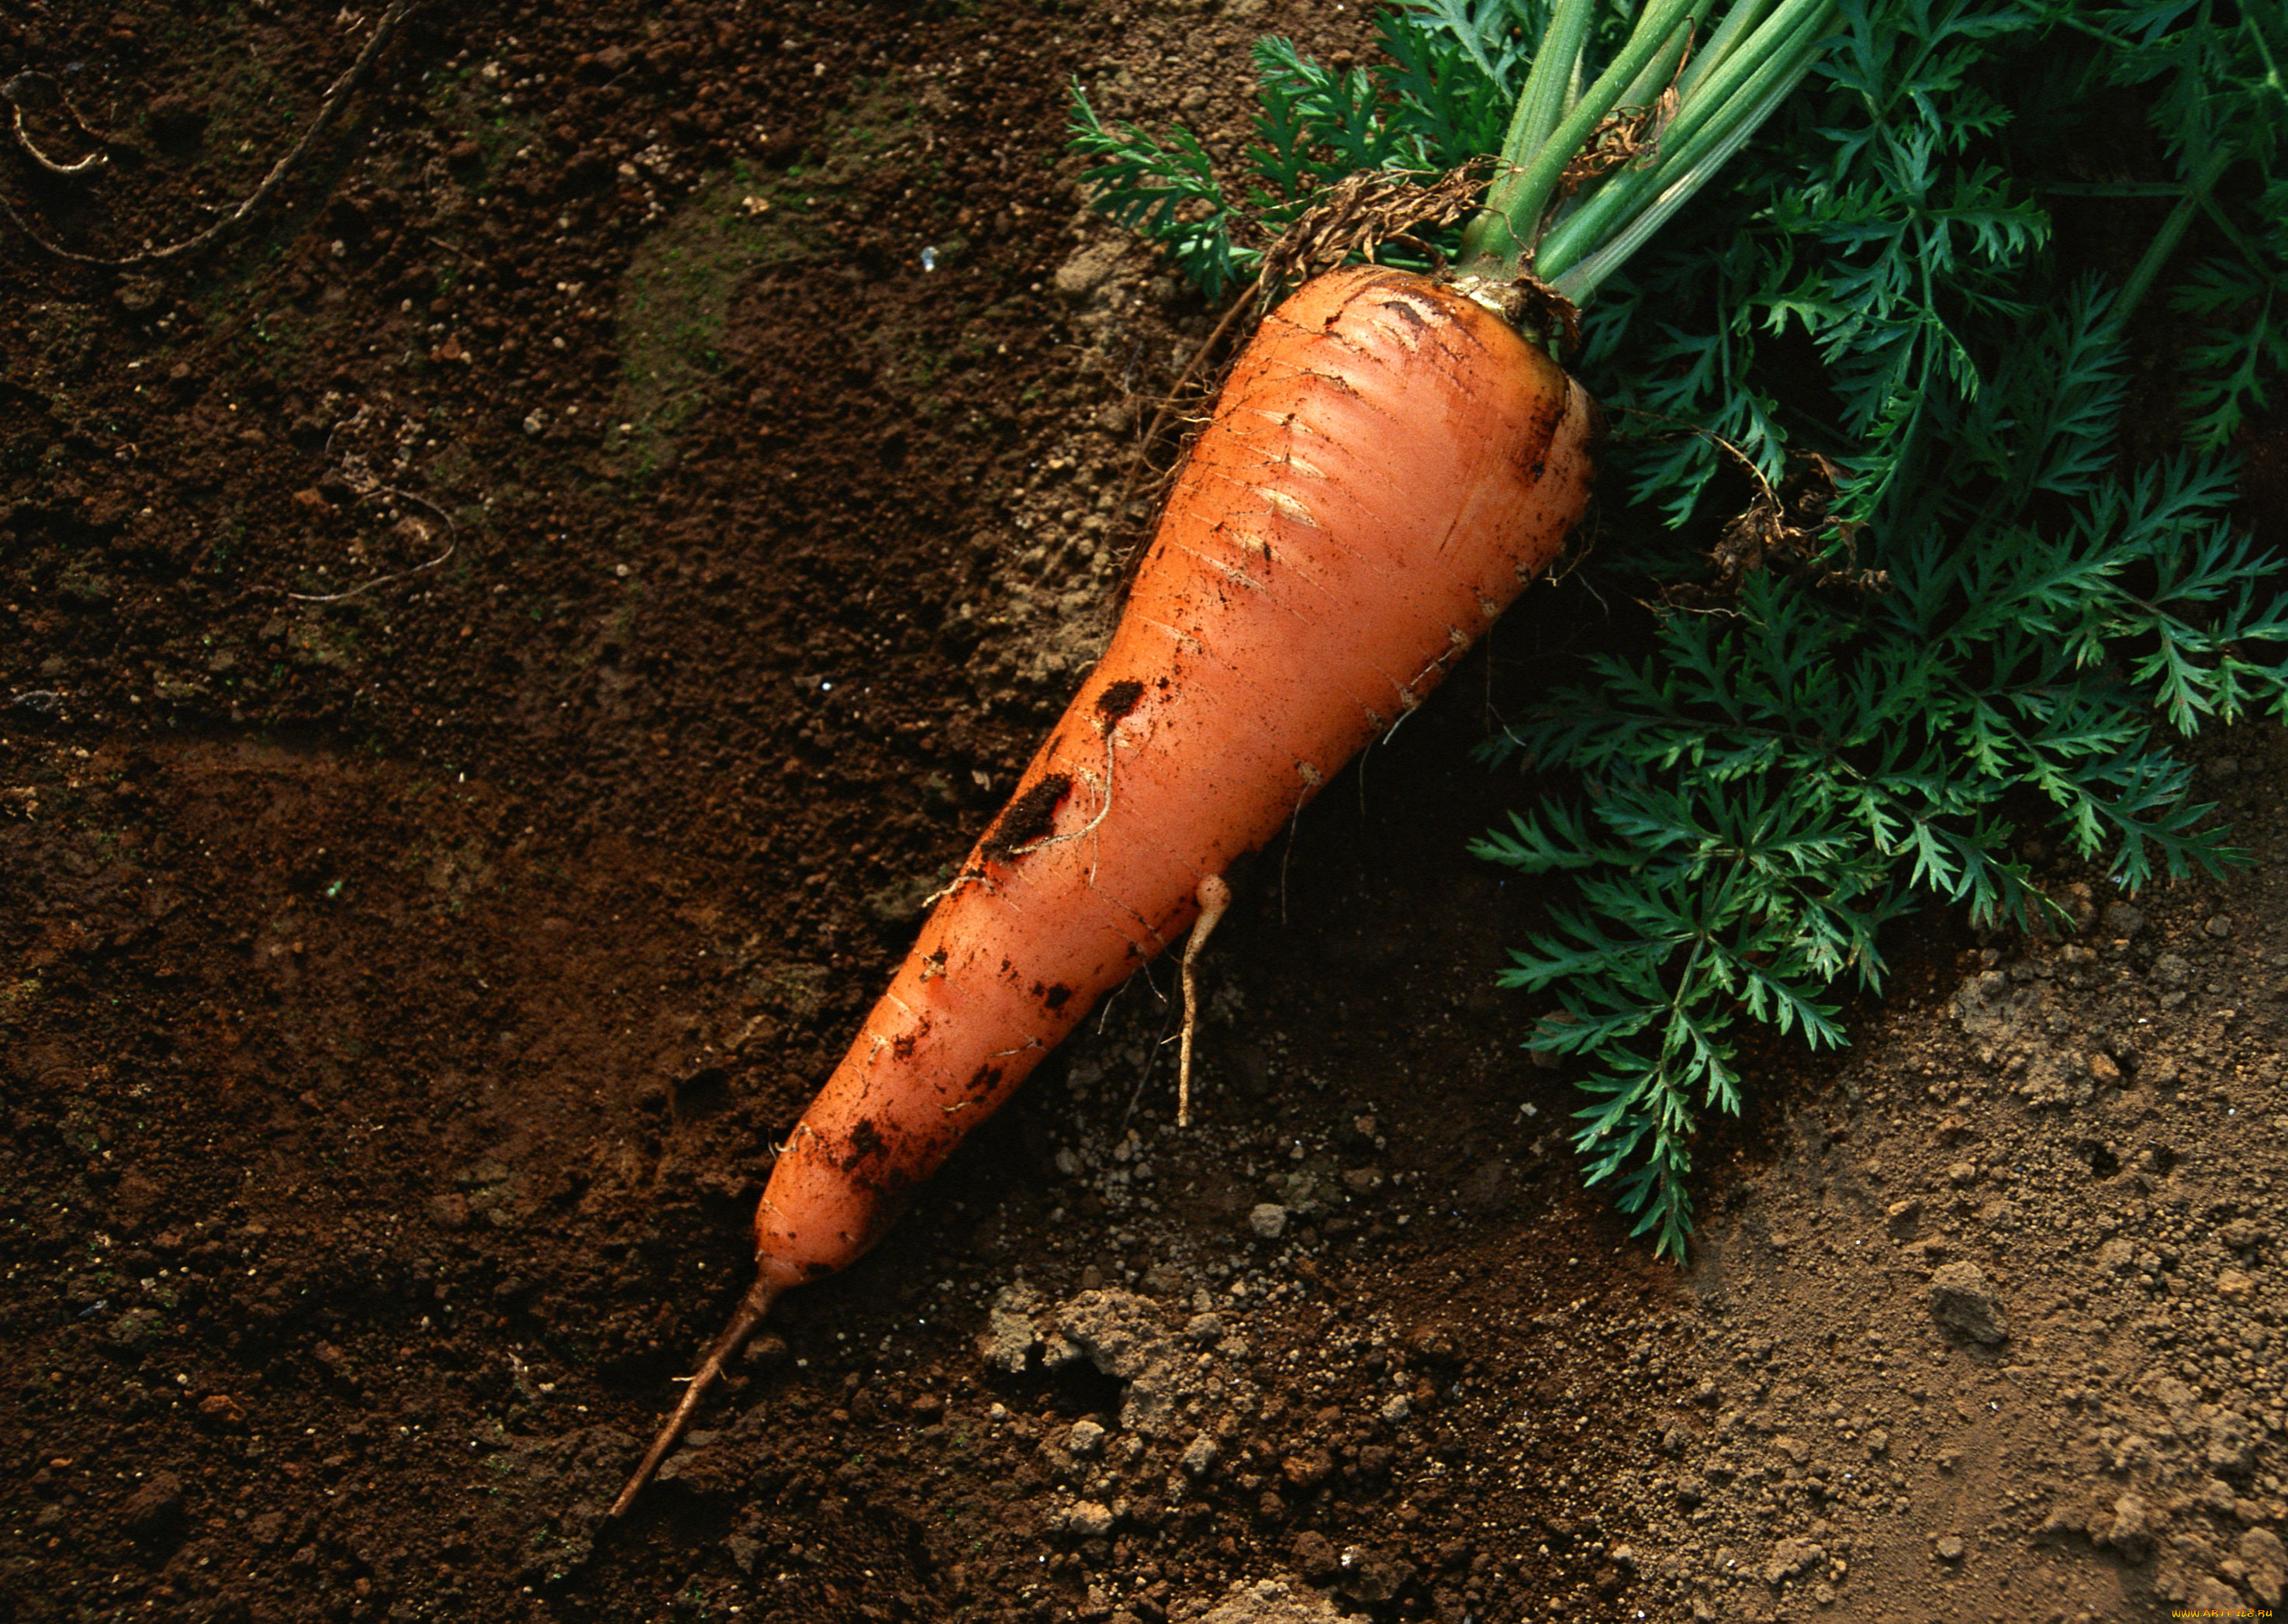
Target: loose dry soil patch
493 661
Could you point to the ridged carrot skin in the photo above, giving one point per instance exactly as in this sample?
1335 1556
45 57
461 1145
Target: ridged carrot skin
1388 464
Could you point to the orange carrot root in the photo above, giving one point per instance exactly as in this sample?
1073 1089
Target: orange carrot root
1214 897
750 1313
1388 465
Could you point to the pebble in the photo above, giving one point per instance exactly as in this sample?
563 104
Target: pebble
1088 269
151 1507
1268 1220
2130 1530
1199 1456
1088 1519
1950 1549
1268 1601
1086 1438
1791 1557
1962 1302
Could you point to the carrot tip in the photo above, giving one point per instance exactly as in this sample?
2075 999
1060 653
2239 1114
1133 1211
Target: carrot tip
744 1318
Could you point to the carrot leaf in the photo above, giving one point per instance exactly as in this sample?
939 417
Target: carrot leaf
2007 622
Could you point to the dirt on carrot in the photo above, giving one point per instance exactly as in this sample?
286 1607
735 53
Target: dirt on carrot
398 1000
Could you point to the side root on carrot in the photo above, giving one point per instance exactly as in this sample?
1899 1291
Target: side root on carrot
1214 897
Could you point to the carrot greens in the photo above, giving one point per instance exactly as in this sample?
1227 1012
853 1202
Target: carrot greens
1957 611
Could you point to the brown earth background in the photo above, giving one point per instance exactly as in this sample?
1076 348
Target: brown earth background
494 657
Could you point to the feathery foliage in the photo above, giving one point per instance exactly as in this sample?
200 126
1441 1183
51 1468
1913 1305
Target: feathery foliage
1996 614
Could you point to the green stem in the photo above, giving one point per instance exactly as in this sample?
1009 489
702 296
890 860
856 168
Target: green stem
1533 160
1539 107
1756 55
1732 101
2173 229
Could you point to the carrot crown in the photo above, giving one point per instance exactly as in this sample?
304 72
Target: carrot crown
1600 123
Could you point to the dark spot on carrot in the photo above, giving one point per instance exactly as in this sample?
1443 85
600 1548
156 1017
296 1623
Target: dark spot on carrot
1119 699
866 1143
1406 313
902 1047
982 1084
1028 817
1056 996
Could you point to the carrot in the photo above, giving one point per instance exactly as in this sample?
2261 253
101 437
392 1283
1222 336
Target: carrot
1388 464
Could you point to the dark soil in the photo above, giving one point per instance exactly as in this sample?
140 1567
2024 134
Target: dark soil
495 657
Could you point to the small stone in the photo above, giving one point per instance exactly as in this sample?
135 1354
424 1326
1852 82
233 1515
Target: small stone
1268 1601
1962 1302
535 422
137 1328
1268 1221
138 296
1086 1520
2233 1287
1306 1468
2268 1564
1791 1557
2172 970
1962 1173
1369 1576
2212 1598
1086 1438
1363 1181
1903 1220
1010 1336
2124 920
1088 269
2117 1256
2131 1530
1199 1456
2219 926
1395 1409
174 120
2241 1233
154 1506
1950 1549
2103 1070
1315 1557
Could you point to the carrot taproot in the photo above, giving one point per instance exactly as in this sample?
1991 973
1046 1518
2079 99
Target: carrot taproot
1388 464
